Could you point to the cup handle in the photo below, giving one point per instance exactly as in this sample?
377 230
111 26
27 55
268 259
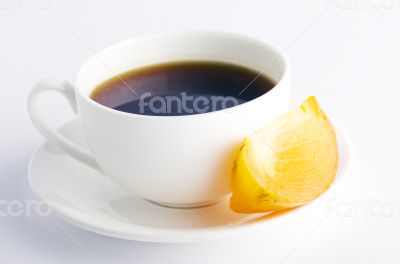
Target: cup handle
52 135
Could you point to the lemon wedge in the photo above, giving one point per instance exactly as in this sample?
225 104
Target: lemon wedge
287 163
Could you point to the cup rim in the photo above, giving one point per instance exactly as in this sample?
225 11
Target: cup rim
279 53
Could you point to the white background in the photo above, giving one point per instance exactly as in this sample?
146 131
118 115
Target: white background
346 52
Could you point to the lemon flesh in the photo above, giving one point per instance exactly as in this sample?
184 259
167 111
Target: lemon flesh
287 163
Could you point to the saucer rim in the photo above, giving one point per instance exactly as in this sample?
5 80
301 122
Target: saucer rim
179 235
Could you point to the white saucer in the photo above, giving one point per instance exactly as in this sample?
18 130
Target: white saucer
85 198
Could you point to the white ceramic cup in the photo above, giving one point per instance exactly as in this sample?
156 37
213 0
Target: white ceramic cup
181 161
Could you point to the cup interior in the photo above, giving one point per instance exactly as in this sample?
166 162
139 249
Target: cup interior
182 46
